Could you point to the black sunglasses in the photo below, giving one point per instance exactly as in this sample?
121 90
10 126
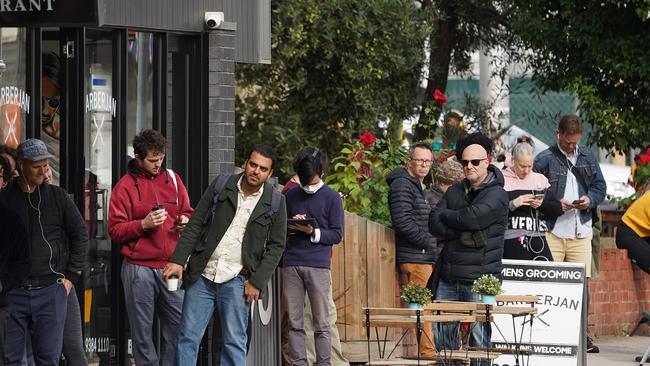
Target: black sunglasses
53 102
474 162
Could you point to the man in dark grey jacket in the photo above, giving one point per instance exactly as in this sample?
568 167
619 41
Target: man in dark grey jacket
471 217
415 246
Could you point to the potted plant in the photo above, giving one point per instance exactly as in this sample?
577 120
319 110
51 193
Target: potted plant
415 295
488 287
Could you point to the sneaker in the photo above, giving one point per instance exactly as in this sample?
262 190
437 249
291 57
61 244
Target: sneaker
591 347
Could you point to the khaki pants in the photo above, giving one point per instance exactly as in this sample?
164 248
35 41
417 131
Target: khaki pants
571 250
419 274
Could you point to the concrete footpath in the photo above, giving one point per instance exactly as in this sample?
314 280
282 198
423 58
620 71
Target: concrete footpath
618 351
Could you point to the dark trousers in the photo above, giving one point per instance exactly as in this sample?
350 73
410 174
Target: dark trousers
40 313
638 248
4 316
73 347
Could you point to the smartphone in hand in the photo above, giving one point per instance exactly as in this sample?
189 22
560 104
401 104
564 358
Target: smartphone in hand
576 202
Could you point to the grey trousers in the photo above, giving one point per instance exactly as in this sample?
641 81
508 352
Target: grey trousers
338 359
145 293
316 282
73 347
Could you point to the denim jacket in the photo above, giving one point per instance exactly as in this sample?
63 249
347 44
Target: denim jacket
555 170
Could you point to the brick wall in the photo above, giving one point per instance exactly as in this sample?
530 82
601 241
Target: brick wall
618 295
221 99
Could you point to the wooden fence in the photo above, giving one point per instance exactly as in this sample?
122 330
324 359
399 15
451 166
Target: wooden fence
363 274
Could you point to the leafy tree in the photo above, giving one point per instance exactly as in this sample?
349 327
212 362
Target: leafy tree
596 49
339 68
459 29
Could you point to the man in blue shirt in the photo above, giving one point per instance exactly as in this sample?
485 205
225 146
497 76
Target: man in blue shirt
575 177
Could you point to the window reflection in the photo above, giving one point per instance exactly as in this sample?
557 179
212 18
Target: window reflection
140 71
51 105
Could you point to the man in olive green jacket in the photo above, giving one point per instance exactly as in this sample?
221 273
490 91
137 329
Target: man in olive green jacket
230 258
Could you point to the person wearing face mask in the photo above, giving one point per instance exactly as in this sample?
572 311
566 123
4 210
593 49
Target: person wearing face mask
305 266
531 203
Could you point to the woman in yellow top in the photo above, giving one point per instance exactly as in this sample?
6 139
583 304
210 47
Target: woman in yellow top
633 232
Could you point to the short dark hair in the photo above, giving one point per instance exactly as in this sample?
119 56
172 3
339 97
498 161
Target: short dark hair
453 115
6 169
264 150
420 144
570 125
52 67
310 161
4 149
476 138
149 140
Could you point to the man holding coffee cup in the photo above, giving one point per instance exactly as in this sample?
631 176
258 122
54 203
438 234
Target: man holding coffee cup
148 209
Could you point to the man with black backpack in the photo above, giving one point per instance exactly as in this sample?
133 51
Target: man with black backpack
231 247
575 176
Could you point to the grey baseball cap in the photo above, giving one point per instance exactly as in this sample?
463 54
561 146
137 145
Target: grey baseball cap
33 150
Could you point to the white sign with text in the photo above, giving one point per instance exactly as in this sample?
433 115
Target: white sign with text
554 336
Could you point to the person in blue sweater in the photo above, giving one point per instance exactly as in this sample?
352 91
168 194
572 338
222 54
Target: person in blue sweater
305 266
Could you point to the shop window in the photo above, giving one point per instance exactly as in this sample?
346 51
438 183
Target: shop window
14 98
139 115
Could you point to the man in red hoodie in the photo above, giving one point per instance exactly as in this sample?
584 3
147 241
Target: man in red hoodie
149 207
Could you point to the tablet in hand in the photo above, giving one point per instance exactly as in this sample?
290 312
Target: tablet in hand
308 221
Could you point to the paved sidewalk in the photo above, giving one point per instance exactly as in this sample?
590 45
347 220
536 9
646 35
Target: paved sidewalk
618 351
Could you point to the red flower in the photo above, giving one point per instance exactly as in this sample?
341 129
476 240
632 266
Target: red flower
648 151
367 139
439 97
644 159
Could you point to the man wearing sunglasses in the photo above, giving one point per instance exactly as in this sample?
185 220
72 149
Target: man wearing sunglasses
415 251
471 218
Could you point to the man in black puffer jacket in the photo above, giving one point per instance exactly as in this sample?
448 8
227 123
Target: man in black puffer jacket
471 217
415 246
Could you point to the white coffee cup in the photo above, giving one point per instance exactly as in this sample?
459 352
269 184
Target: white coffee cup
172 283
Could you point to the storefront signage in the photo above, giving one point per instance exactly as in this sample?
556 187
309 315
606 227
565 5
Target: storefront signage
13 95
100 102
32 5
18 13
554 337
13 102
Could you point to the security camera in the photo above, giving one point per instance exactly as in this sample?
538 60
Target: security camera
213 19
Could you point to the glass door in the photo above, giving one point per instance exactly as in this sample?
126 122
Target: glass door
100 113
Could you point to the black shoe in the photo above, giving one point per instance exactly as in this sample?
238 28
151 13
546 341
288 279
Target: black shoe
591 347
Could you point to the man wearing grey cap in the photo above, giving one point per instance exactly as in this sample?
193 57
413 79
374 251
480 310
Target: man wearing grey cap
58 243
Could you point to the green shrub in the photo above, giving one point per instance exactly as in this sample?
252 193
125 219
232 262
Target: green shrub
415 294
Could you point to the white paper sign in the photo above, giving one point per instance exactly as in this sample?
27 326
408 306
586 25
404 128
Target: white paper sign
555 332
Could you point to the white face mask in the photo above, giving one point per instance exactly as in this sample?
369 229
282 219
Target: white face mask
312 188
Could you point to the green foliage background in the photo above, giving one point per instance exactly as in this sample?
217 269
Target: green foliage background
339 68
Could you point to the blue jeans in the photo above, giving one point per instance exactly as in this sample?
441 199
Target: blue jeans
447 336
201 299
41 314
